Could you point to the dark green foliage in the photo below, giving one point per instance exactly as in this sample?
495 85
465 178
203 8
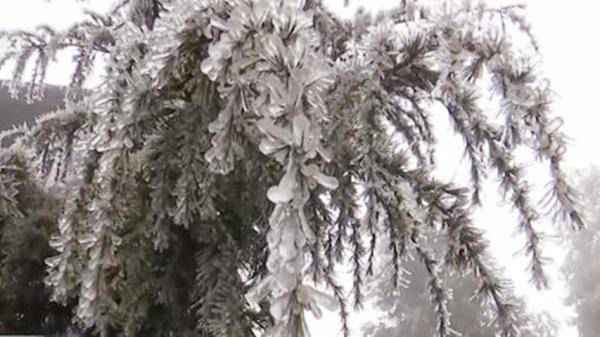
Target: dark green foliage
25 305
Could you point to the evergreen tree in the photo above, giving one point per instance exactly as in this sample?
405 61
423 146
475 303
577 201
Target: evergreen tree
582 272
237 151
25 304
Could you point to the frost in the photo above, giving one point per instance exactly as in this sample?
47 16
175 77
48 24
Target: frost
308 232
288 245
87 240
277 137
267 126
260 291
301 125
279 306
53 261
286 190
325 154
314 172
270 146
520 95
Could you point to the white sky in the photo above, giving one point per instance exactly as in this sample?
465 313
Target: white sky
567 32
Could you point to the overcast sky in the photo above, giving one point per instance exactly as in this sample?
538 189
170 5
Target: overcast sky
567 32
